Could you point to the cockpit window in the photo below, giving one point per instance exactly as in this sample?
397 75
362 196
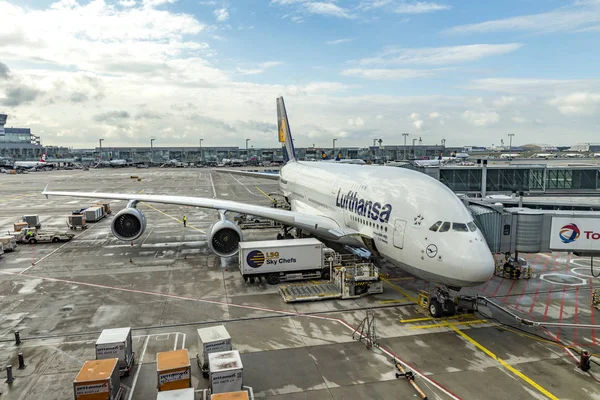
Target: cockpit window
445 227
459 227
435 226
472 226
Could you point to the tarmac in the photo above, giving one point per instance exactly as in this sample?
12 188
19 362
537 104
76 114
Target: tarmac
167 284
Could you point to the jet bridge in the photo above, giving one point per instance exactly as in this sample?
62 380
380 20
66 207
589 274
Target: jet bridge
523 230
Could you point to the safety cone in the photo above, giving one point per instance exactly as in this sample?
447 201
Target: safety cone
130 260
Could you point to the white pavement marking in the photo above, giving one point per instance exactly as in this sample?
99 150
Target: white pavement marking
137 373
243 306
176 340
183 341
238 181
213 185
57 249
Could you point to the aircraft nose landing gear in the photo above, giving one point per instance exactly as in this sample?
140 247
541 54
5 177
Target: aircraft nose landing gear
440 303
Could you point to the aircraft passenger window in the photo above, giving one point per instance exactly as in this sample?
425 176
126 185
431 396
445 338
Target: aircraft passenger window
459 227
472 226
445 227
435 226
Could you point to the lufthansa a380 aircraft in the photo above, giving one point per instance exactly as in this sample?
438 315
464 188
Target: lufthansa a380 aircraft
406 217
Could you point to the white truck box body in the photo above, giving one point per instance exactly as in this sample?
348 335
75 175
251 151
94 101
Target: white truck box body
179 394
225 372
272 256
93 213
9 242
115 343
213 339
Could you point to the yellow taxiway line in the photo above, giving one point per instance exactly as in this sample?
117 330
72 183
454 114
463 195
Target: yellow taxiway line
168 215
266 195
502 362
404 292
446 324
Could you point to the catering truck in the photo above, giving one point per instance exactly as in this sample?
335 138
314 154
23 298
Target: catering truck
285 260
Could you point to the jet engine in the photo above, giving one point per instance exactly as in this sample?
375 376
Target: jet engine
224 237
128 224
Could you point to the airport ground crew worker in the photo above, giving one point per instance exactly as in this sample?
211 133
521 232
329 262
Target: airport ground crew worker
184 221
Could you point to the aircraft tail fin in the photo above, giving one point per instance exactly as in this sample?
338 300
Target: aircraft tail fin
43 158
285 136
324 155
338 157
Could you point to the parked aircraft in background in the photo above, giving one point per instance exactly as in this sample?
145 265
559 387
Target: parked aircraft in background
338 158
408 218
34 164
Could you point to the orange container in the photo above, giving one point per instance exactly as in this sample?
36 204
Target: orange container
98 380
173 370
230 396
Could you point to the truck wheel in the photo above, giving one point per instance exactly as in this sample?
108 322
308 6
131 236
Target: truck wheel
272 279
33 241
55 240
325 275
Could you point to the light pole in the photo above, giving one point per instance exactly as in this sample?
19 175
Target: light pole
510 135
413 149
247 155
101 149
333 155
151 151
405 135
200 141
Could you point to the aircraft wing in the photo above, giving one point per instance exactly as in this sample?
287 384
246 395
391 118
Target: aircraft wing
264 175
318 224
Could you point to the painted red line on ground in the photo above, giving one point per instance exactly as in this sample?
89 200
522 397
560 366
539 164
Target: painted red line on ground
592 309
548 302
562 305
509 290
526 284
576 317
538 288
284 312
496 291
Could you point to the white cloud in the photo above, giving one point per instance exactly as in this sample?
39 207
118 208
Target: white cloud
156 3
519 120
338 41
327 9
127 3
583 103
440 55
543 87
562 19
434 115
420 7
221 14
387 74
418 124
483 118
357 122
259 69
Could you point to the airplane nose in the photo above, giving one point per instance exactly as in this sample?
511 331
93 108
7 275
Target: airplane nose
478 265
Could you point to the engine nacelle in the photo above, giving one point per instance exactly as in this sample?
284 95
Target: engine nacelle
129 224
224 237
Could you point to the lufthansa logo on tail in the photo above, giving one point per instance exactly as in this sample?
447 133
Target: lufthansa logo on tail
282 130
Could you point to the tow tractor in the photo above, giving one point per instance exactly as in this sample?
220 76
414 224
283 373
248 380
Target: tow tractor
246 221
32 236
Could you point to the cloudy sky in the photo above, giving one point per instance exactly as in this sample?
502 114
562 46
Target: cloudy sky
467 71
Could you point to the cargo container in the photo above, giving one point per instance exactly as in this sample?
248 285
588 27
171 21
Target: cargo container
8 242
181 394
93 214
173 370
211 340
98 380
33 221
75 221
116 343
243 395
225 372
104 205
283 260
20 225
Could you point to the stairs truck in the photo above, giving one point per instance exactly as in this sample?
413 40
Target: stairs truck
285 260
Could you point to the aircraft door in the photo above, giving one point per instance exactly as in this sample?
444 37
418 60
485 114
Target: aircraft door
399 228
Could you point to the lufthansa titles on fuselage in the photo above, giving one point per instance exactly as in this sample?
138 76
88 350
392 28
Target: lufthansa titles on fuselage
362 207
